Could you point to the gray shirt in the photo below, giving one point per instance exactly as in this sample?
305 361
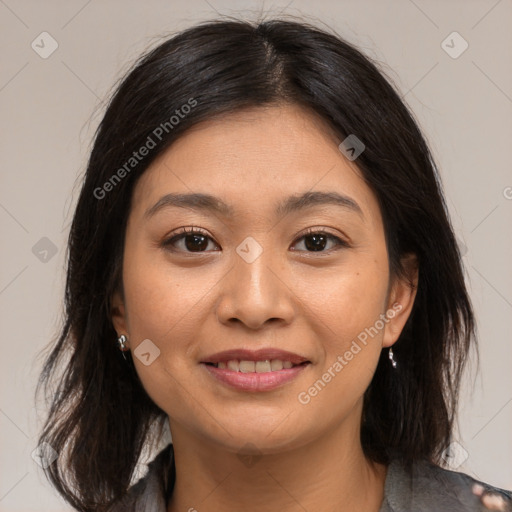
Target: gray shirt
426 488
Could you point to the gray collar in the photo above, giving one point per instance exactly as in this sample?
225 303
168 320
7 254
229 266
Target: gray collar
424 487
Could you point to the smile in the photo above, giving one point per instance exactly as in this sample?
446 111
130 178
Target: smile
255 375
264 366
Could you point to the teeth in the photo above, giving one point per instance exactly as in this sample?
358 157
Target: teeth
265 366
276 364
247 366
234 365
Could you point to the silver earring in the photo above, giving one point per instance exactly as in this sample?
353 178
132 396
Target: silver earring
121 342
391 357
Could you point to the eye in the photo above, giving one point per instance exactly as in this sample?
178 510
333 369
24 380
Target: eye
316 239
194 239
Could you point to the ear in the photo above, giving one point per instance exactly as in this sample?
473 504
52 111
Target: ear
401 300
118 311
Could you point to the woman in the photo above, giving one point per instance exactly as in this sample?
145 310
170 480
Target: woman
261 258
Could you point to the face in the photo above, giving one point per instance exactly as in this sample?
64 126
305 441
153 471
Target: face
309 277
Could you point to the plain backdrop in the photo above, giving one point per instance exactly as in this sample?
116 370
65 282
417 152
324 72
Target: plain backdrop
51 106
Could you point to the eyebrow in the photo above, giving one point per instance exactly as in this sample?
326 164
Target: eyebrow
212 204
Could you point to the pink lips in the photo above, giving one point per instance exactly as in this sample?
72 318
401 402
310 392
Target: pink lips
254 381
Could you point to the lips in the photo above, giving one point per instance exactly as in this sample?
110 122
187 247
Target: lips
255 370
254 355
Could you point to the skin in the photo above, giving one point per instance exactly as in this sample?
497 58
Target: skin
193 304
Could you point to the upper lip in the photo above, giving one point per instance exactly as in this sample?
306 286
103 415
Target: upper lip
254 355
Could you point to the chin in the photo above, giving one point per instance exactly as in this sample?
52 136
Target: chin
267 439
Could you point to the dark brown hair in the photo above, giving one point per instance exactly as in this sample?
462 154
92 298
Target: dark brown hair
100 414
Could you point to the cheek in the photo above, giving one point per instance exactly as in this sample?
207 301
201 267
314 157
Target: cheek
161 303
345 301
354 342
161 299
351 342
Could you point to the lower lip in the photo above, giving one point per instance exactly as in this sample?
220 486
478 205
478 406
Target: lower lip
265 381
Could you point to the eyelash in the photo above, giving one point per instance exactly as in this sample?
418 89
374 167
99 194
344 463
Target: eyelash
193 230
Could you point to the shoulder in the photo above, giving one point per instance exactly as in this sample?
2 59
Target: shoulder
150 493
426 487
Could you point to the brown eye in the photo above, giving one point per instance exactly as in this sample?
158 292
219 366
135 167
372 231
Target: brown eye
317 241
192 240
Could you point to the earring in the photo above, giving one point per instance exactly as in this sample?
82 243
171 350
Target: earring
121 342
391 357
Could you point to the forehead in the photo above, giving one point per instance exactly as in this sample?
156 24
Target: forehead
253 159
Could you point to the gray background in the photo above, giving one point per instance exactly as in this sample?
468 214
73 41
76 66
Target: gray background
51 106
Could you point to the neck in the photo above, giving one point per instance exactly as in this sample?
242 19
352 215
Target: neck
327 475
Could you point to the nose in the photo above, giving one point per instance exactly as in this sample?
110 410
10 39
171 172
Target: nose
256 293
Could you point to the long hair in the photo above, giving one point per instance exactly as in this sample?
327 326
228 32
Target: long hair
100 415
